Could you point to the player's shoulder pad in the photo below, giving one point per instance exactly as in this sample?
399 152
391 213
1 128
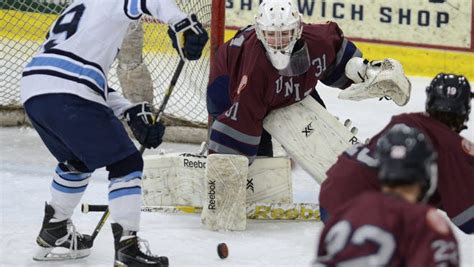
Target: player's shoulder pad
436 222
401 116
334 26
467 146
241 36
330 25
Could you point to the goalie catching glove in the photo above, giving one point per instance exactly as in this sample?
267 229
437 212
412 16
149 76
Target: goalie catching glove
382 78
141 121
188 37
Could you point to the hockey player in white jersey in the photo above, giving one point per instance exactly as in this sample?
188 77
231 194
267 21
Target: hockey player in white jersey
65 94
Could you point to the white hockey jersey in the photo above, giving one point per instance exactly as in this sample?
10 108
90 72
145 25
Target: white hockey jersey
83 43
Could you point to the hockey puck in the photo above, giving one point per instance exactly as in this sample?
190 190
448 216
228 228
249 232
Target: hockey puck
222 250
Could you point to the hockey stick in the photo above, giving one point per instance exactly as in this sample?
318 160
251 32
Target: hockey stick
168 92
256 211
100 224
159 113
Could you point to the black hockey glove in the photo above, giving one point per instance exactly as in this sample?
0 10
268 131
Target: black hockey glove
140 119
188 37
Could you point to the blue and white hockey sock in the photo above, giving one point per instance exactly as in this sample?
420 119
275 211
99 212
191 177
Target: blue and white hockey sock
67 189
125 200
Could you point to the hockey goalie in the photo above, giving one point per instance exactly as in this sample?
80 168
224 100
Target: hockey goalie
277 62
262 84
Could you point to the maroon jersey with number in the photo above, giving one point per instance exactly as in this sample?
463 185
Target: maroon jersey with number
244 86
354 171
377 229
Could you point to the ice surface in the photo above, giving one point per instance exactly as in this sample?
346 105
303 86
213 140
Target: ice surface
26 169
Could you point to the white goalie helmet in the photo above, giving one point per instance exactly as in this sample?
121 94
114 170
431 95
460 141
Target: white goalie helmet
278 27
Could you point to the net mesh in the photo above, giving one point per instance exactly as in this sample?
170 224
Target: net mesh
23 27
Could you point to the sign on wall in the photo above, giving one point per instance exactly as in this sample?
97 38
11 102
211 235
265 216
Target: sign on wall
421 22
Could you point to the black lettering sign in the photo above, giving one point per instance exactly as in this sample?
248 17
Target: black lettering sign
306 7
442 18
335 13
323 9
357 12
404 15
423 18
385 14
245 4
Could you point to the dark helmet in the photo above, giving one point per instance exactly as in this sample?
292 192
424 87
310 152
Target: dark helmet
406 156
448 99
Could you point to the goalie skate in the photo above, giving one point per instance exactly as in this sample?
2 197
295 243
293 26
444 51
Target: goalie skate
59 240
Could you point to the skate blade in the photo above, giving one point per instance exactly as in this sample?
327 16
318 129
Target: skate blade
47 254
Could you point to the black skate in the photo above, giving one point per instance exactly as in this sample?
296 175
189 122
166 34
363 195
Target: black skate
128 253
60 236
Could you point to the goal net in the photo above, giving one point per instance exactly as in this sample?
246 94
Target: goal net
143 70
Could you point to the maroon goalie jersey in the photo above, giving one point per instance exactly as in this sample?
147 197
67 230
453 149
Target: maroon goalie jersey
244 86
377 229
354 171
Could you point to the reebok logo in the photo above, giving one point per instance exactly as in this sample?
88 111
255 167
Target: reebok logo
212 194
194 164
308 130
250 185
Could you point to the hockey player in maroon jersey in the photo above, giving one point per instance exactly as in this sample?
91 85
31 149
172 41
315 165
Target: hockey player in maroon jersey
447 110
389 228
275 63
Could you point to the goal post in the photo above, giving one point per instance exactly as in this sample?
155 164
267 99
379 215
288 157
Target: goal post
23 27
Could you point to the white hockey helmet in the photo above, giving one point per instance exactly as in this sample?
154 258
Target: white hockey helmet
278 27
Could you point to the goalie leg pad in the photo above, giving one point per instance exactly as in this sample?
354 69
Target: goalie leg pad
174 180
269 181
310 134
178 180
225 203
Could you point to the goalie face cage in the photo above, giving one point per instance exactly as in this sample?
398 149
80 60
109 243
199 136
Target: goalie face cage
23 27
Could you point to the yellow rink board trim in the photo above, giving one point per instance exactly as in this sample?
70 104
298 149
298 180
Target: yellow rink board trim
422 61
28 26
24 26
